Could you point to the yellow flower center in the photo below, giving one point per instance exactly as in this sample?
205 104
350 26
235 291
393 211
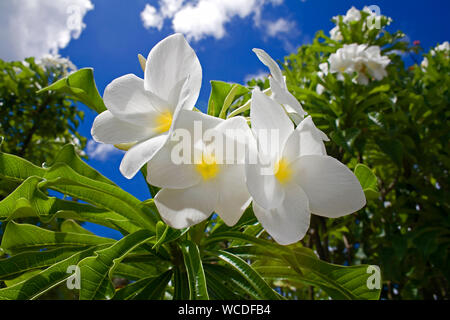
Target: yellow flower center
208 167
163 122
283 171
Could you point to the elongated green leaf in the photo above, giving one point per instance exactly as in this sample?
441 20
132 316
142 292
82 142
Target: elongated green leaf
351 282
220 98
43 281
28 261
20 237
194 267
71 226
62 178
150 288
28 201
366 177
340 282
68 156
258 283
217 287
96 272
80 86
181 284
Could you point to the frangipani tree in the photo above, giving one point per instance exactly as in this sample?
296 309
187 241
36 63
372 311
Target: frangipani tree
221 224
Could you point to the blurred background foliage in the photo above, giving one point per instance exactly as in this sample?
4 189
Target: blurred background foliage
399 127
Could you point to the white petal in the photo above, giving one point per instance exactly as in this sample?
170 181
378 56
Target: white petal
170 62
237 134
332 189
140 154
233 195
284 97
126 99
182 208
268 118
109 129
263 185
164 172
311 138
275 70
289 222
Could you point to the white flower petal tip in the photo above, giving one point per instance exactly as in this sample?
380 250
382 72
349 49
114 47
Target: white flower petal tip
289 222
139 154
169 63
182 208
332 189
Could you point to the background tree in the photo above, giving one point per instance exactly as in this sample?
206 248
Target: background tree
399 127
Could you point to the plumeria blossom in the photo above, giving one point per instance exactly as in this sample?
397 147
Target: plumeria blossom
366 61
278 87
353 15
208 179
444 47
300 179
141 111
321 74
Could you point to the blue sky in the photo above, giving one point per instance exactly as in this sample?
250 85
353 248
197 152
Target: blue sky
114 34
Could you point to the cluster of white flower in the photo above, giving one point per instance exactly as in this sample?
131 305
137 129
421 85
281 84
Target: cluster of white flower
353 15
444 47
55 61
284 170
366 61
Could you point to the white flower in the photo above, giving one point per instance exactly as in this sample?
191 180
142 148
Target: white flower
352 15
303 179
55 61
278 86
210 180
366 61
141 111
323 72
444 47
335 34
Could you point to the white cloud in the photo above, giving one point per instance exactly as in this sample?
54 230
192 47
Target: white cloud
206 18
100 151
279 26
151 18
39 27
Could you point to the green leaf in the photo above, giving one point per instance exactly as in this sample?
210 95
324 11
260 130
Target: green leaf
73 227
366 177
194 267
181 284
150 288
222 95
29 261
258 283
348 282
80 86
96 271
45 280
28 201
20 237
339 282
62 178
221 284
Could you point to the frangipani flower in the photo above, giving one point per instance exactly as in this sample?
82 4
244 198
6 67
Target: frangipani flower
444 47
141 111
208 179
372 21
366 61
301 179
278 86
